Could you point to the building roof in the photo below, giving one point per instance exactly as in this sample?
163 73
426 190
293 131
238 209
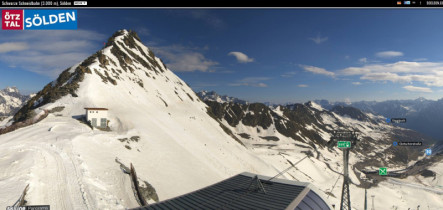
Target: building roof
243 191
96 108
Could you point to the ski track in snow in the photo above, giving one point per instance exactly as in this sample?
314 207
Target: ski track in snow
53 167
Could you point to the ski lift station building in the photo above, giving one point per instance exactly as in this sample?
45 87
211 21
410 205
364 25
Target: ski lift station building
249 191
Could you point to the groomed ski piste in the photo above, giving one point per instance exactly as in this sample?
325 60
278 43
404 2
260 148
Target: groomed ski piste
181 148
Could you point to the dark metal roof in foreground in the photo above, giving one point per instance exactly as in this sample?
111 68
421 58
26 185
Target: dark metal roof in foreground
243 192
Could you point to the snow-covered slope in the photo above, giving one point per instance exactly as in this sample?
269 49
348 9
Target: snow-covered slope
69 166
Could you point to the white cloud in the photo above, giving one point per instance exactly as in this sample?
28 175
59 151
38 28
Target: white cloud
318 70
399 67
318 39
185 59
354 71
363 60
429 73
251 81
420 59
48 52
417 89
260 85
192 61
289 74
241 57
302 85
389 54
385 76
46 64
13 46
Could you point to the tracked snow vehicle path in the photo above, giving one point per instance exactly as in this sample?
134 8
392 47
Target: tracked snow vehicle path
433 189
52 171
64 179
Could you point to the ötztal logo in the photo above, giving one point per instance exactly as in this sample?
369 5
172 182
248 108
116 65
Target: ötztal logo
39 19
12 19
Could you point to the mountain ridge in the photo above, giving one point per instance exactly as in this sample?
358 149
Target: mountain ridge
213 96
422 115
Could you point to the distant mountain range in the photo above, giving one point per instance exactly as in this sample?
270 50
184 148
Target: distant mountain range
422 115
11 100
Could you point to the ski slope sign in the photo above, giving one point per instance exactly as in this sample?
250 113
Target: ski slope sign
344 144
39 19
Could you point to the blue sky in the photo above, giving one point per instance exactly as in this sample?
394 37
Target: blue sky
265 55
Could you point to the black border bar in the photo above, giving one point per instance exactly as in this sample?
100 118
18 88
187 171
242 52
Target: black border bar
222 4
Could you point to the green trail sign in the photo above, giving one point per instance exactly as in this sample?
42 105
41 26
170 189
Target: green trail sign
383 171
344 144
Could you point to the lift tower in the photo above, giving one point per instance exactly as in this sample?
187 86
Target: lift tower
344 140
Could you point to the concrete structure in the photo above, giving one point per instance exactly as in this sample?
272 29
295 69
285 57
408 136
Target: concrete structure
249 191
97 117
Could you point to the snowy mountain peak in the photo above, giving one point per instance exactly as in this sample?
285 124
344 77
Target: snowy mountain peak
420 99
349 111
11 90
125 69
314 105
213 96
123 33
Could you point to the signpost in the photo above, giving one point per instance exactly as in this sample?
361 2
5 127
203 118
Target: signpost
351 139
428 152
344 144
